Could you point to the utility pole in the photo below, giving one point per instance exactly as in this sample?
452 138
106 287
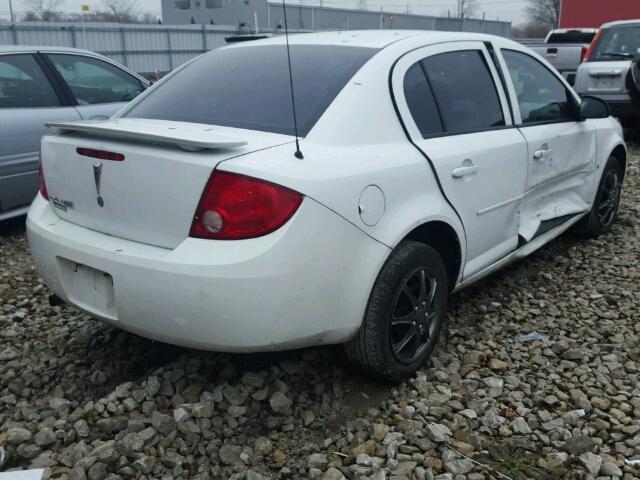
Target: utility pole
11 12
560 15
300 21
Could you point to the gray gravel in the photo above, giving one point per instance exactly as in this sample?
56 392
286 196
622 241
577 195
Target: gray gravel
87 401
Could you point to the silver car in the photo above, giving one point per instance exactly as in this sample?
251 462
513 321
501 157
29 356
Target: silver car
50 84
607 72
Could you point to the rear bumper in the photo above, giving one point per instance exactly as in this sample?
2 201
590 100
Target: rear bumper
306 284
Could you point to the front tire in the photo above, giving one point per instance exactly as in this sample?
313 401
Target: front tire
605 206
405 314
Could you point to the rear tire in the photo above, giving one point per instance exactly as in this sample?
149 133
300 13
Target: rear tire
605 206
405 314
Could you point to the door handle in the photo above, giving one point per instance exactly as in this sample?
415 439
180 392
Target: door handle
467 168
544 152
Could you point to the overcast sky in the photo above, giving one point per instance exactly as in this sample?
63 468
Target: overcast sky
510 10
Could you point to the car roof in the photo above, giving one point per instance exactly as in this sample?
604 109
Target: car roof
622 23
42 48
367 38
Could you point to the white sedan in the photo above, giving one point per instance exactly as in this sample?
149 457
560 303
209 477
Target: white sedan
428 160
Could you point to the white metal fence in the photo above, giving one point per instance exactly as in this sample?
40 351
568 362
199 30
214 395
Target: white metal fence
143 48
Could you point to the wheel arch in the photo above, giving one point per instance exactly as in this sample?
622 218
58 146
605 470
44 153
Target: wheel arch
620 152
444 239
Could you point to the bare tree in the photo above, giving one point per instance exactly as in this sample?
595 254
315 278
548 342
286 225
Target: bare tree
529 30
148 18
30 16
468 8
544 12
44 10
121 11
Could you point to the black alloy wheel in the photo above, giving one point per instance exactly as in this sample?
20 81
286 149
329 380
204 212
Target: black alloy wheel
605 206
405 314
608 198
413 318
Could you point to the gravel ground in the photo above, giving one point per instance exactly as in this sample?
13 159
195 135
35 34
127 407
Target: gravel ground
85 400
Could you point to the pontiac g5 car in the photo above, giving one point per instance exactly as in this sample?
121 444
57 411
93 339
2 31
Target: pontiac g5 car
429 161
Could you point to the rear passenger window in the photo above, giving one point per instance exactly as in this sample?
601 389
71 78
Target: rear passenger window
23 84
464 91
541 96
421 102
94 81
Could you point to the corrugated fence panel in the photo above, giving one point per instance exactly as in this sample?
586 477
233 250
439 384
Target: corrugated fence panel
149 62
147 39
474 26
448 24
325 19
143 48
6 37
307 17
102 40
186 39
414 22
45 34
148 47
215 40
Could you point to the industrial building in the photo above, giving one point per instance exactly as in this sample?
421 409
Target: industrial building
262 15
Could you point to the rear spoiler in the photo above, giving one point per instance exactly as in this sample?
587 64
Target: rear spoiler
244 38
188 136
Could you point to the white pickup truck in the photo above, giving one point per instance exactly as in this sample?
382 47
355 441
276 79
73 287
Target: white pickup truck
564 49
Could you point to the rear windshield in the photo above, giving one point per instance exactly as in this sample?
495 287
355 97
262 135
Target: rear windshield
248 87
573 36
617 43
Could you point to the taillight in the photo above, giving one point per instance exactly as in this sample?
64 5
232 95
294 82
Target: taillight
235 207
586 55
100 154
42 185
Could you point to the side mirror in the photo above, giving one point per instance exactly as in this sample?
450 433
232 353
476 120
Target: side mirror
593 107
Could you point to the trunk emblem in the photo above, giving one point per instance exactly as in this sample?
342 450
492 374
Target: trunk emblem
97 174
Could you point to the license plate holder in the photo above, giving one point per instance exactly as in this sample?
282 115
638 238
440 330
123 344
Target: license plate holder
88 288
605 83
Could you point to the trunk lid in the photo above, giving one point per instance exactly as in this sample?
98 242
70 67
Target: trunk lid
151 195
597 77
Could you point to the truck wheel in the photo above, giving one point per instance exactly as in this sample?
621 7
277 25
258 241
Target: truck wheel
605 206
405 314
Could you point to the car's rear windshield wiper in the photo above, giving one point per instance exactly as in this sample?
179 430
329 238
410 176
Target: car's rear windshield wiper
617 54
